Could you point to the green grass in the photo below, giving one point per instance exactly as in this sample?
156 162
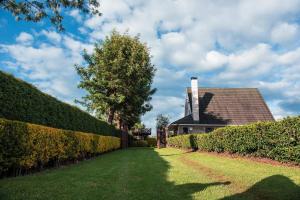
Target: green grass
146 173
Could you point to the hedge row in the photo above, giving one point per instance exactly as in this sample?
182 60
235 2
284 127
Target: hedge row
276 140
22 101
152 142
25 146
148 142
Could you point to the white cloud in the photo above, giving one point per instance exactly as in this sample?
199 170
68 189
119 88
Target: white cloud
160 76
224 43
50 67
52 36
285 33
213 60
46 66
76 46
290 57
24 38
258 55
76 15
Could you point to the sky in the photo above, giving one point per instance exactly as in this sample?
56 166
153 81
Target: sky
224 43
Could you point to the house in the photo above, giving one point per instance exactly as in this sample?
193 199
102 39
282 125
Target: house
209 108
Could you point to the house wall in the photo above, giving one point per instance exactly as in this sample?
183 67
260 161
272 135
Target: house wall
191 129
194 129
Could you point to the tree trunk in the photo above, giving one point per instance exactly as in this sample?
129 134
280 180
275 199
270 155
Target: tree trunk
124 136
111 115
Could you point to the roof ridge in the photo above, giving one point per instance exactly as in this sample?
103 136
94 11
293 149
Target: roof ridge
227 87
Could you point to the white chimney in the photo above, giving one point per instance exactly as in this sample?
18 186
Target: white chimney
195 97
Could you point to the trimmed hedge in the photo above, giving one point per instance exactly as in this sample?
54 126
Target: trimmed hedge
139 143
148 142
25 146
276 140
22 101
152 142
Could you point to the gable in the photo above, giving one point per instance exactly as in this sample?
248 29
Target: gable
228 106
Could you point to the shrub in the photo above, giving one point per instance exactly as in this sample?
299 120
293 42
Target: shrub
25 146
22 101
181 141
276 140
139 143
152 142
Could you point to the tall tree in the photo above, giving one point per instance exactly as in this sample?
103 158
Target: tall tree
34 10
162 121
117 77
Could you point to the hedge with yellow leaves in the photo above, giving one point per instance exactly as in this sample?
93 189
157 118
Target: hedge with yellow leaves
25 147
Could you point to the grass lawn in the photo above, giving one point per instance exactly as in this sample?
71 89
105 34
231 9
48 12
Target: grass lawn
146 173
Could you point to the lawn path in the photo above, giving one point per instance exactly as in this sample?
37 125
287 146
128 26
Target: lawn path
160 174
257 180
233 184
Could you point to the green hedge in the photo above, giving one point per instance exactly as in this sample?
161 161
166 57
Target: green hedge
22 101
152 142
276 140
25 146
148 142
139 143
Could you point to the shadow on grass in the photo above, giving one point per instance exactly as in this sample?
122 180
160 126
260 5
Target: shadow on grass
273 187
154 182
135 173
157 185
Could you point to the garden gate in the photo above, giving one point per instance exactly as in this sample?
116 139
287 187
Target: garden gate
161 138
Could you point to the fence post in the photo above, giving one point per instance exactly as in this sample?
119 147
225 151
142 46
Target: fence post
161 138
158 137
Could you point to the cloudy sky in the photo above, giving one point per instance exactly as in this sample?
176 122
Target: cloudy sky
228 43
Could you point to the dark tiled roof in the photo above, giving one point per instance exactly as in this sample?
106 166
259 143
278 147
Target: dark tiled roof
229 106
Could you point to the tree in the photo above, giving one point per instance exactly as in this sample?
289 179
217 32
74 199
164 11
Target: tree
162 121
117 77
138 126
34 10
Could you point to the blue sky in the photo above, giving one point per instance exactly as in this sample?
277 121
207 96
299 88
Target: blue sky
224 43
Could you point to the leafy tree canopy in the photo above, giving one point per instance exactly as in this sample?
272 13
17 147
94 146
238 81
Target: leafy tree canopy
117 77
162 121
35 10
138 126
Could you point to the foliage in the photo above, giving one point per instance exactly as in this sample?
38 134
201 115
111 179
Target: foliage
152 142
148 142
276 140
35 11
182 141
21 101
118 79
139 143
138 126
162 121
25 146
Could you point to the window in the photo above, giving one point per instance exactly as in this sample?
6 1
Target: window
185 130
208 129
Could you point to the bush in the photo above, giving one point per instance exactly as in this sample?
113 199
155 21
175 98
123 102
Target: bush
22 101
25 146
276 140
152 142
148 142
139 143
181 141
